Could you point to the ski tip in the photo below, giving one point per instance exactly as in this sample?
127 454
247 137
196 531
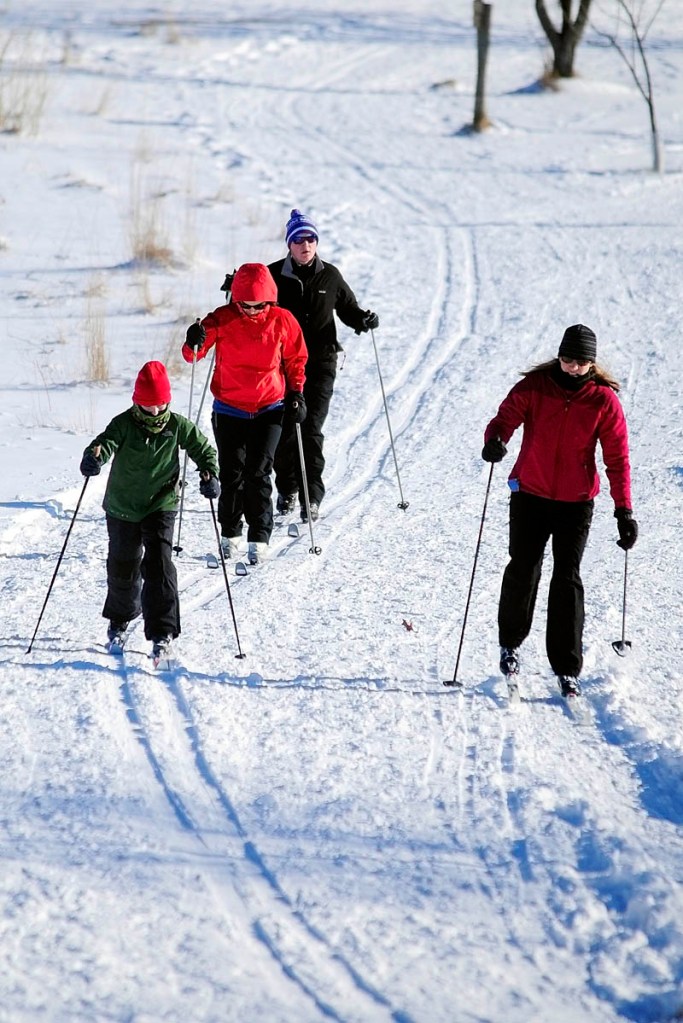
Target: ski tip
577 709
165 663
240 568
514 695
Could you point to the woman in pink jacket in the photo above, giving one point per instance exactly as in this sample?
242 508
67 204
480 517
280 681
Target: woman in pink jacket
565 406
258 380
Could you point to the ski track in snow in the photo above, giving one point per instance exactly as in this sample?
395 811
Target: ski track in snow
321 972
480 740
162 722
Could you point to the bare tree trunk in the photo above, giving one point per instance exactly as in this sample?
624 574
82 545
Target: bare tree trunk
657 148
565 39
482 21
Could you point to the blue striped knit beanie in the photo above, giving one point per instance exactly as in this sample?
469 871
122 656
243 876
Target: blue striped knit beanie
299 223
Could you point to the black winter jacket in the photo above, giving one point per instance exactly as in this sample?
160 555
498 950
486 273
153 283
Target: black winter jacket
314 301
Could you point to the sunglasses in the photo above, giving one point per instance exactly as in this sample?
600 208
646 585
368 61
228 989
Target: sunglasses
579 362
255 307
301 238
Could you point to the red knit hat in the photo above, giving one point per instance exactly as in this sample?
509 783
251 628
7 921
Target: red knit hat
254 282
152 386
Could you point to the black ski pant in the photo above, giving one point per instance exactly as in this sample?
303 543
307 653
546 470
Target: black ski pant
318 391
533 520
141 576
246 448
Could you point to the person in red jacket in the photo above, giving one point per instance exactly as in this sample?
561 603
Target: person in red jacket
565 406
258 380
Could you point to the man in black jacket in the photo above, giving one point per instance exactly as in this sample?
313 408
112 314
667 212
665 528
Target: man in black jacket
313 291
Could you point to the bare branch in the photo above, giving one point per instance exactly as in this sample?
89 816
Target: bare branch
546 24
637 63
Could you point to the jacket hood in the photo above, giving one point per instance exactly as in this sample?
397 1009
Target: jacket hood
254 283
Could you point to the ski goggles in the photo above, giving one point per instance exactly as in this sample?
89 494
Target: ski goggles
579 362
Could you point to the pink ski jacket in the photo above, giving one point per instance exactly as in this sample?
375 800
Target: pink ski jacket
561 431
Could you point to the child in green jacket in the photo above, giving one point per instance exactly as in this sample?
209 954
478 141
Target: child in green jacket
141 499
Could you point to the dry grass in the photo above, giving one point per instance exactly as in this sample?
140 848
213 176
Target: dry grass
149 241
190 237
253 213
166 28
69 54
97 359
103 103
549 79
23 85
172 359
146 224
96 287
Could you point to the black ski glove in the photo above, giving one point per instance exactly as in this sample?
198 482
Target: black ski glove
370 321
493 450
195 336
628 528
226 286
209 487
90 464
295 406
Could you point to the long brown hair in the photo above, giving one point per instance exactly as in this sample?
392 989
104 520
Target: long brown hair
597 373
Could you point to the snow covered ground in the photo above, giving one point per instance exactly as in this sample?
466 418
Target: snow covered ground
322 830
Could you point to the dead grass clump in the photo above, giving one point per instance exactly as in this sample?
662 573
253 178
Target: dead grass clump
550 79
172 359
147 228
23 86
97 359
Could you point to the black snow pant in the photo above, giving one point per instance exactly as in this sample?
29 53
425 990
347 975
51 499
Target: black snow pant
533 520
318 391
141 576
246 448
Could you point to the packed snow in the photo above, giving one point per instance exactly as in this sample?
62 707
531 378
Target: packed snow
323 830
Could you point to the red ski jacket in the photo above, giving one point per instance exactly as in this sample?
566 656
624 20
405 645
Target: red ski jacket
561 430
258 357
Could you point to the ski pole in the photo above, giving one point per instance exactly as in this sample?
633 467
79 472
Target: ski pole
227 288
177 549
312 549
206 385
59 561
403 504
622 646
239 655
454 681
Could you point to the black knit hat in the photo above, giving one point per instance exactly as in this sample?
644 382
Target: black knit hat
579 342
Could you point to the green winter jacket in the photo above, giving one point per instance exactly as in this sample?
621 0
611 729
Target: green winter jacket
145 474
